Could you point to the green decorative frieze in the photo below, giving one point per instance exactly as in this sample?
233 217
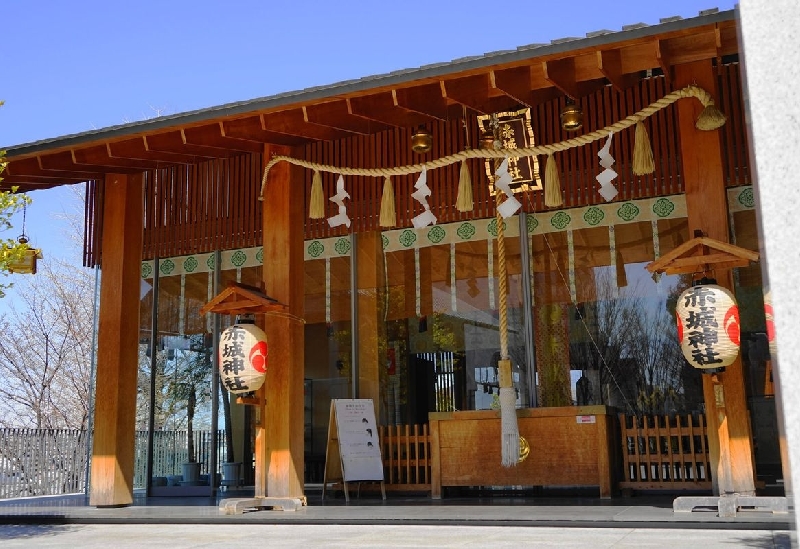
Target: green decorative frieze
628 211
436 234
315 249
593 216
466 230
663 207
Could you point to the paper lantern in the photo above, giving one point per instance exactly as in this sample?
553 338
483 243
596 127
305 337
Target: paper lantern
243 357
708 326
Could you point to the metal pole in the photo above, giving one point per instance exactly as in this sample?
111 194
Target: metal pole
527 309
214 458
354 314
93 370
151 416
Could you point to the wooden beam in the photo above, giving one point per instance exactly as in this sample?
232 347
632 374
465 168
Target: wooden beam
64 161
729 436
336 114
173 142
252 129
663 58
516 84
426 99
99 155
211 136
293 122
610 64
474 93
117 343
279 438
381 108
136 149
561 74
31 167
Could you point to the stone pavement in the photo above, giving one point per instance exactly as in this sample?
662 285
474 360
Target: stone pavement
368 521
105 536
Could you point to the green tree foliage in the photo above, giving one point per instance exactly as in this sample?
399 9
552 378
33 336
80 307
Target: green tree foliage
10 201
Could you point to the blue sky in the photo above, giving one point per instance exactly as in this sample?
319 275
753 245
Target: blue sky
69 67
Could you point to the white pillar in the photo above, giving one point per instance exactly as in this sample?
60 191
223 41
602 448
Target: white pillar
769 32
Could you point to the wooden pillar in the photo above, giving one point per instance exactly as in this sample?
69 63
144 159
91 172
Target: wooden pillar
730 441
279 429
371 327
117 343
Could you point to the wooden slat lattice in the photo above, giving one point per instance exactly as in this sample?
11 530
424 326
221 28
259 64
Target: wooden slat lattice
406 457
665 452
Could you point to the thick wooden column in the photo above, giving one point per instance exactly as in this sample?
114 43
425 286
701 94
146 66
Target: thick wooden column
730 441
279 433
117 343
371 328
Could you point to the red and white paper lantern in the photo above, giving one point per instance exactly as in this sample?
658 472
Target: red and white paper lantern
708 326
243 358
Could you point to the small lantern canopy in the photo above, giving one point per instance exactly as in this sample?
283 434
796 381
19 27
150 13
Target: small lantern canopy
27 263
708 326
243 355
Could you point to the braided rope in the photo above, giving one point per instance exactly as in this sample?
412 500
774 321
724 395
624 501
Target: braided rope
689 91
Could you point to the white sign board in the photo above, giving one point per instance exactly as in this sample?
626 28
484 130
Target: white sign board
359 446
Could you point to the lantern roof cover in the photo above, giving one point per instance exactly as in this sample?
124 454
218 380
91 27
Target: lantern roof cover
693 256
239 299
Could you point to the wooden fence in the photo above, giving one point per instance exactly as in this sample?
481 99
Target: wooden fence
661 452
406 457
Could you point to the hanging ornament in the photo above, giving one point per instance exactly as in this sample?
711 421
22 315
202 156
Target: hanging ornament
510 205
316 204
708 325
607 190
421 195
243 355
338 199
27 263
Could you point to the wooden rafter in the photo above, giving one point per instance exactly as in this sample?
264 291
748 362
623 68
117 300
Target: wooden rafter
238 299
693 256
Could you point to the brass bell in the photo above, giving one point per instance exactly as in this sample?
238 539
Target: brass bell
571 116
421 141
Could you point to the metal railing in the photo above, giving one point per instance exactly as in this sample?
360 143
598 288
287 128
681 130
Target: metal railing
42 462
48 462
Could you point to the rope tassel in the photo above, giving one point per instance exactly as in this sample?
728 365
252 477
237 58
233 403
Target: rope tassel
388 217
316 206
464 199
643 163
552 184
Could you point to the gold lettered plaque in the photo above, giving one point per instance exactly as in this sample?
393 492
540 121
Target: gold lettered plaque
515 132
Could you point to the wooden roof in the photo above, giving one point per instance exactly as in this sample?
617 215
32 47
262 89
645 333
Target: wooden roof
493 82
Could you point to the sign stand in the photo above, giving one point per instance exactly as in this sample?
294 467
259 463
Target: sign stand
353 452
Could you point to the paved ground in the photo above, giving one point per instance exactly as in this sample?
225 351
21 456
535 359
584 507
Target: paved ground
378 536
420 522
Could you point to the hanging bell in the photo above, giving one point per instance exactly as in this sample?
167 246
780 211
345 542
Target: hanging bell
571 116
421 141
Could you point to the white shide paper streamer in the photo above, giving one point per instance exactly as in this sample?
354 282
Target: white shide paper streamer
607 190
338 199
421 195
503 182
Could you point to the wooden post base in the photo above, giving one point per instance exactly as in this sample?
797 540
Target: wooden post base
237 506
729 504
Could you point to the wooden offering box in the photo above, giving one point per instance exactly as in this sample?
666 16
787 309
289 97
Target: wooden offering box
569 446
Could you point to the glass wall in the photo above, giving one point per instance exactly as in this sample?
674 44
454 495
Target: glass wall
604 327
328 352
